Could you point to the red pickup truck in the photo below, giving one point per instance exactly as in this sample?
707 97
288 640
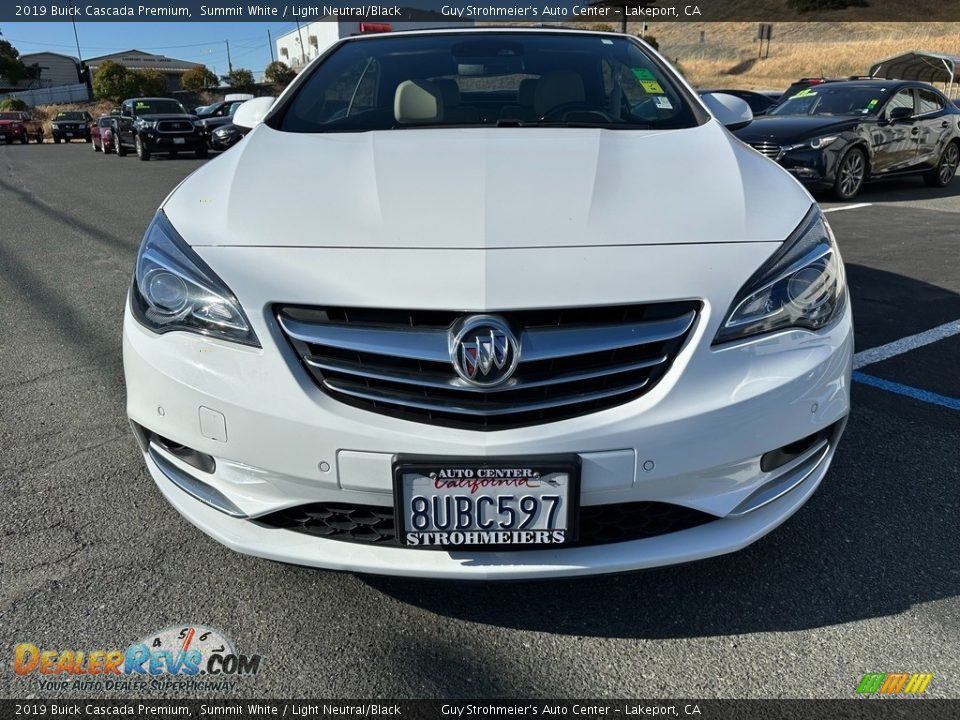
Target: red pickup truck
20 125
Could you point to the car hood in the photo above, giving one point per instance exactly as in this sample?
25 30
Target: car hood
12 122
487 188
787 128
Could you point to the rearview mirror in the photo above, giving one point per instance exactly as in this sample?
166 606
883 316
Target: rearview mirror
730 111
252 112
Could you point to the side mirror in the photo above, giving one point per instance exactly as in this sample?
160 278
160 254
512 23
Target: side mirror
730 111
900 113
252 112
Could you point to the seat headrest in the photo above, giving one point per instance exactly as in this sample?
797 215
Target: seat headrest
449 91
556 89
417 101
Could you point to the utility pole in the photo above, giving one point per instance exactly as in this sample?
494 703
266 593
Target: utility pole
303 50
270 45
229 61
77 38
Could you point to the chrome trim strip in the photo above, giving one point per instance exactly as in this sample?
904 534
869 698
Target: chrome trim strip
429 345
476 409
454 383
796 472
564 342
542 344
192 486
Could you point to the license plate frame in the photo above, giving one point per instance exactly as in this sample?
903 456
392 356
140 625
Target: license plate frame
422 465
179 141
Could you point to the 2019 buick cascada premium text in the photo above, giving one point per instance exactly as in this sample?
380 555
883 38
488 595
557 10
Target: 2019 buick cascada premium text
488 303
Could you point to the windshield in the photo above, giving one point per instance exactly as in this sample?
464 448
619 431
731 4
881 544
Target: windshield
10 116
832 100
490 79
157 106
70 116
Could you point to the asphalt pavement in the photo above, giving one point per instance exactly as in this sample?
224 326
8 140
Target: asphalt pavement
865 578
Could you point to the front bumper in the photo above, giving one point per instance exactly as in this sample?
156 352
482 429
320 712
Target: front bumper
71 135
695 440
162 143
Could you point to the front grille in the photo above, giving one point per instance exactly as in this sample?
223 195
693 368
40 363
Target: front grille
573 361
375 525
175 126
770 149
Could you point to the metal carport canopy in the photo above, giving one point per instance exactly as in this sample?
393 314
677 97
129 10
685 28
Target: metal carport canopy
918 65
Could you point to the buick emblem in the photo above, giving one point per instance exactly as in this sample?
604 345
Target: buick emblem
483 351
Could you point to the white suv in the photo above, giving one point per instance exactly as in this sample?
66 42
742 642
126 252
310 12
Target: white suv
488 304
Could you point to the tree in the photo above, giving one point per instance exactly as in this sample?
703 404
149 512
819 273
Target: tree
199 78
239 78
13 104
114 82
279 73
12 68
651 41
150 82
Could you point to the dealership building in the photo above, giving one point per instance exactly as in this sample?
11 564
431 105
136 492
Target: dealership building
171 68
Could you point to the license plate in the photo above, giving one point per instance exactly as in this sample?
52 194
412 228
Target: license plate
69 134
179 141
525 501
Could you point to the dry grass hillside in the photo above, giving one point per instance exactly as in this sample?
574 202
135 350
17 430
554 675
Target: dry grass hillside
728 55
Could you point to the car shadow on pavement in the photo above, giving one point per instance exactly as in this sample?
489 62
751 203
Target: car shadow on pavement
878 536
905 189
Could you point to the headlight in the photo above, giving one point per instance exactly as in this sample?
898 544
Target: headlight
801 286
147 124
55 126
814 143
173 289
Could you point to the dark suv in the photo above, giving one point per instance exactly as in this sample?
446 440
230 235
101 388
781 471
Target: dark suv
153 126
71 125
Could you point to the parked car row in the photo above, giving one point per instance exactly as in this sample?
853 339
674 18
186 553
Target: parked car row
837 134
162 126
147 126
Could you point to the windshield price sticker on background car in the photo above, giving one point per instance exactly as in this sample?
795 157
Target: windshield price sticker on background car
454 505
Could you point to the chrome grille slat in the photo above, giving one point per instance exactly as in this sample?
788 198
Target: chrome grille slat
572 361
455 383
476 409
770 149
428 345
551 343
539 344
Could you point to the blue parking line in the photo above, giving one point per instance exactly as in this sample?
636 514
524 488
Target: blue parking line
907 391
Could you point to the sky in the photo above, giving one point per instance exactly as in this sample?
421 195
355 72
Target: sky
198 42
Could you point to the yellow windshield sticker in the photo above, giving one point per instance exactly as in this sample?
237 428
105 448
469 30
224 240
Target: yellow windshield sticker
652 86
872 104
806 92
